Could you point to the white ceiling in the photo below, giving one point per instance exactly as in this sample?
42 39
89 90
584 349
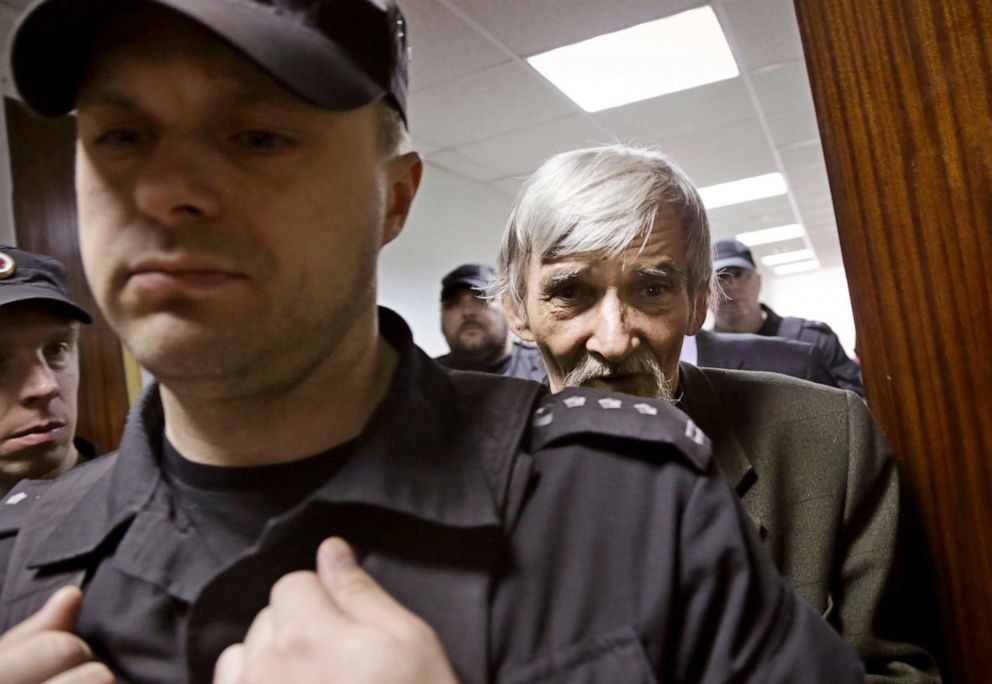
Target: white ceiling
481 112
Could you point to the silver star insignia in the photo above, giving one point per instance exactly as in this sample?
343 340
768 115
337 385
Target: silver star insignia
646 409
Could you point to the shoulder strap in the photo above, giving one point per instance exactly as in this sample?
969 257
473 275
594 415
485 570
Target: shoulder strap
498 410
791 327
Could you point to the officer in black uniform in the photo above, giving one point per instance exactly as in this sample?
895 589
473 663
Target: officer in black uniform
741 312
39 369
476 330
240 164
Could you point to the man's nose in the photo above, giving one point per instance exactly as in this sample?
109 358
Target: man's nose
40 384
612 337
173 188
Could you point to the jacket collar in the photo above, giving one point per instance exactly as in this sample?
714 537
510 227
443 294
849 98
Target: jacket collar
414 457
701 401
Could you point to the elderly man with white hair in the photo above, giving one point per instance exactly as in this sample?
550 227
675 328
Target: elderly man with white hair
606 265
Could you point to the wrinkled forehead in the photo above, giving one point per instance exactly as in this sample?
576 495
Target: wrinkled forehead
615 240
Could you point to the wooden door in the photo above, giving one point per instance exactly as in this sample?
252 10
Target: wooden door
903 92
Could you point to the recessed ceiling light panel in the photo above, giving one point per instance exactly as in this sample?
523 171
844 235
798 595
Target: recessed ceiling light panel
743 190
676 53
776 234
797 267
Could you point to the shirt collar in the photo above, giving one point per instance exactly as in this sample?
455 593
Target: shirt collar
415 456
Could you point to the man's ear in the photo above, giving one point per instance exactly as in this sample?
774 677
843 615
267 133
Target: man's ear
403 175
516 319
698 315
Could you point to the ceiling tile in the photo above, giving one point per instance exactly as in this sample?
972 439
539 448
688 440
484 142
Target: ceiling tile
803 155
679 114
522 151
740 218
783 87
443 46
794 127
456 162
730 153
766 31
811 181
489 102
529 27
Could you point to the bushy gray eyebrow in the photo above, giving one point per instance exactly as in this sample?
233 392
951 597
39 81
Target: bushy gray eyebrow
668 270
555 280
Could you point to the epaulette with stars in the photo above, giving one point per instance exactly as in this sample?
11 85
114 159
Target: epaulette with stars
574 413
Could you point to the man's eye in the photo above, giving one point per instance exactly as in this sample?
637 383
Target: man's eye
566 292
120 138
263 140
57 350
655 290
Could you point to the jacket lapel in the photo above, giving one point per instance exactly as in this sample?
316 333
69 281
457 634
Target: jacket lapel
702 402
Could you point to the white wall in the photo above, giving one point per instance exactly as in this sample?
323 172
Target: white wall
819 295
454 221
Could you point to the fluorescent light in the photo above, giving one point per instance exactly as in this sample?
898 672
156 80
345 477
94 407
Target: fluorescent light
787 257
797 267
655 58
744 190
776 234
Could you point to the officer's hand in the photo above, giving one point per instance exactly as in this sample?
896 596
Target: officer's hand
335 625
43 650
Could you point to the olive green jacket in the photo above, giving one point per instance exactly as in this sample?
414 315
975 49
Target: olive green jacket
818 479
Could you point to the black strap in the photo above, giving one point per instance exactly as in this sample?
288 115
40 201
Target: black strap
496 412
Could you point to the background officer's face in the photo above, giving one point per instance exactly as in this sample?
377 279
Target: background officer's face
39 379
614 323
229 229
472 325
742 287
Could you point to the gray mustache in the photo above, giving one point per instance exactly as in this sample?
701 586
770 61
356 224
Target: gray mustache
592 368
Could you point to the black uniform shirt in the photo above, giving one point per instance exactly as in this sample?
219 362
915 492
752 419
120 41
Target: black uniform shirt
607 550
845 372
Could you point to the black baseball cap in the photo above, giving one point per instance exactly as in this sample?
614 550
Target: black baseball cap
474 276
336 54
28 276
730 253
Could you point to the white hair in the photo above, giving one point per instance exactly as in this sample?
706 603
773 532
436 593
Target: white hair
601 199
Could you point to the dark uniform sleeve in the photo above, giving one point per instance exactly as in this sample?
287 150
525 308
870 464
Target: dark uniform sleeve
817 369
844 371
740 621
677 543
